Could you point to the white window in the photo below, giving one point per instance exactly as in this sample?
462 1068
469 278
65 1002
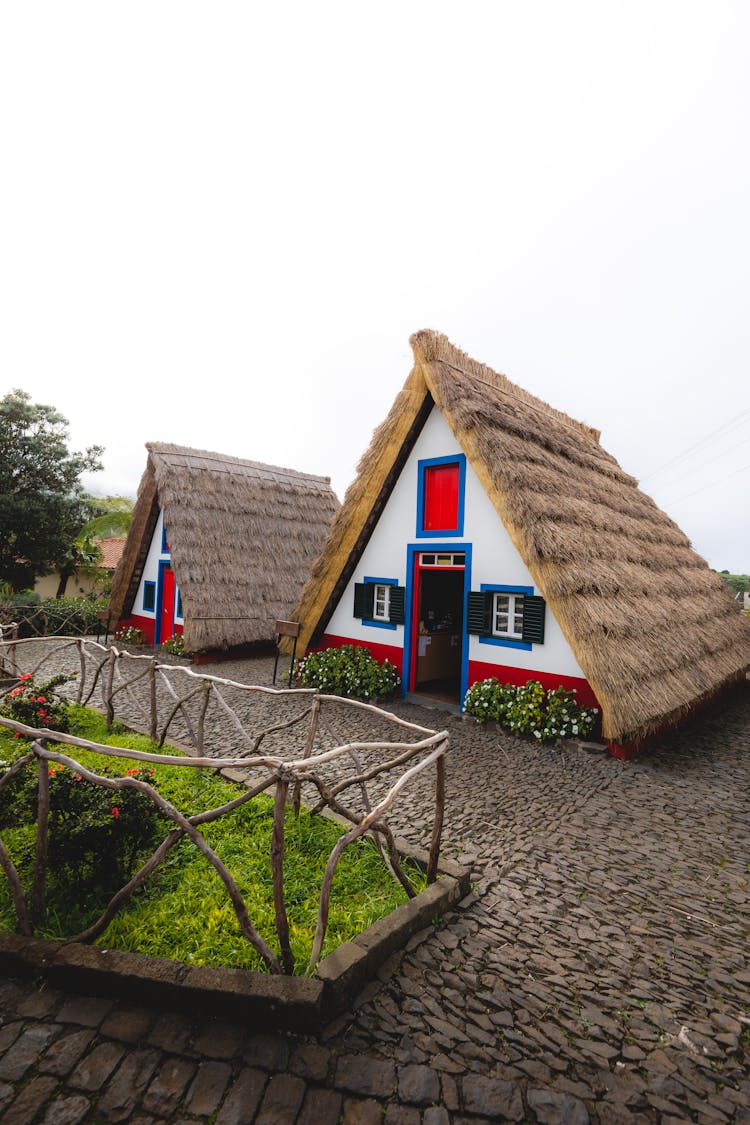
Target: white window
507 616
381 606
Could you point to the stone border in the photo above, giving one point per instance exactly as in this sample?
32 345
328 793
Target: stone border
301 1004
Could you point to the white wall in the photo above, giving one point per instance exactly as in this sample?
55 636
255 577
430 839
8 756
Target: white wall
494 560
151 571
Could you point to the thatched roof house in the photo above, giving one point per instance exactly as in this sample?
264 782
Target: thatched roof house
547 520
219 547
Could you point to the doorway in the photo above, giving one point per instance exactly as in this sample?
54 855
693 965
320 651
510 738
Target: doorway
438 625
165 615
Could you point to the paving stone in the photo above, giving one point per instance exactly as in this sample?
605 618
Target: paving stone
269 1052
94 1069
418 1085
86 1010
30 1101
26 1050
125 1090
9 1033
7 1093
68 1110
362 1074
208 1088
310 1060
492 1096
129 1025
281 1101
39 1004
243 1098
320 1107
220 1040
172 1032
359 1112
396 1114
553 1108
436 1115
168 1085
64 1053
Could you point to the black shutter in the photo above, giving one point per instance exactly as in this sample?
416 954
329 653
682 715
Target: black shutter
478 611
396 610
533 619
364 599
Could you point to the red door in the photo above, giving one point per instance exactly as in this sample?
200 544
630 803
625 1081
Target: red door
166 628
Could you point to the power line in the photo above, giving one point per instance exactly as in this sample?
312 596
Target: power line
711 485
698 444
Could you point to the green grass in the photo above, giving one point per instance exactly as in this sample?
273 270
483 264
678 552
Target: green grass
184 912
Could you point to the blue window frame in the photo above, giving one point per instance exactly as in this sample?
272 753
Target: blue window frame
380 603
433 533
505 642
164 540
178 611
149 596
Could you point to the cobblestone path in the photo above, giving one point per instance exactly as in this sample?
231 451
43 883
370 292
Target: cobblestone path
597 972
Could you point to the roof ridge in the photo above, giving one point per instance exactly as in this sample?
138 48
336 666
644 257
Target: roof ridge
164 449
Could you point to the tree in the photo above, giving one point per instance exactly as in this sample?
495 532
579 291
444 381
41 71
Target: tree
108 517
42 505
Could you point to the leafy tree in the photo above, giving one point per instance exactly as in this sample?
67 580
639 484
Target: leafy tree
42 505
737 583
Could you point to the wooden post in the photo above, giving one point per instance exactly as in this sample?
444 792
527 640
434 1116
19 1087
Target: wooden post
152 696
277 867
109 702
202 716
437 826
309 743
82 661
42 843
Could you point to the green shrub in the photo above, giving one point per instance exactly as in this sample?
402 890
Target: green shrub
130 635
175 645
37 706
529 710
96 835
54 617
349 671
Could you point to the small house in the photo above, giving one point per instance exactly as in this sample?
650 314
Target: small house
488 534
219 548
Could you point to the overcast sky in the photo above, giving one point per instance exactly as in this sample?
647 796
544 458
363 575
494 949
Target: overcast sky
221 223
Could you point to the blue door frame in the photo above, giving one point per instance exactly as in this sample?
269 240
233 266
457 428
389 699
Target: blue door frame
412 550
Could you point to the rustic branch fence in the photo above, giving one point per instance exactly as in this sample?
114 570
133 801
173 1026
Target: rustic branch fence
355 764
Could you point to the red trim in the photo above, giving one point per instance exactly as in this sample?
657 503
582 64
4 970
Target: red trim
479 670
377 651
145 624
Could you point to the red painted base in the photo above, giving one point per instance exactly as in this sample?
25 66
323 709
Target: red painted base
479 670
147 626
378 652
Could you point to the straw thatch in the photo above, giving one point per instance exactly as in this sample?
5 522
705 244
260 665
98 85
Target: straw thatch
649 623
242 536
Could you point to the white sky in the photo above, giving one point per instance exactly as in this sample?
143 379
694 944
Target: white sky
221 222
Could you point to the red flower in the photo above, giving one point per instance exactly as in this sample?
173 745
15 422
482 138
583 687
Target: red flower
25 676
115 812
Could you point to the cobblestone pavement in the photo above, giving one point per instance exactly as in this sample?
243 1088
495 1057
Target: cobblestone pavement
597 972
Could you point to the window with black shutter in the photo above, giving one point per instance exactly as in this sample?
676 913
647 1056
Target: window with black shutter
379 603
506 615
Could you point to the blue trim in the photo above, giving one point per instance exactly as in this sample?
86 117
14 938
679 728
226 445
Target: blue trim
505 642
412 550
178 608
149 596
379 582
164 541
457 459
164 564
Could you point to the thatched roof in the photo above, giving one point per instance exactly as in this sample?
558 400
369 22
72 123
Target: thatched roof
649 623
242 536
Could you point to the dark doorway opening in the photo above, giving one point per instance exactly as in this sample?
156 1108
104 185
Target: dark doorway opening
438 632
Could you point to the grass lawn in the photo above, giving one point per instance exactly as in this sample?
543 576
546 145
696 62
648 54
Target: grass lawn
184 912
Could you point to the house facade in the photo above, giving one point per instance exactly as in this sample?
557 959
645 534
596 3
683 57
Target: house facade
157 606
441 591
488 534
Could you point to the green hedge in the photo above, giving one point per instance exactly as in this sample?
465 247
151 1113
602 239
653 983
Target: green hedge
56 617
350 671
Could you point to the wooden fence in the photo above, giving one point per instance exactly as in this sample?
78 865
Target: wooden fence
356 764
